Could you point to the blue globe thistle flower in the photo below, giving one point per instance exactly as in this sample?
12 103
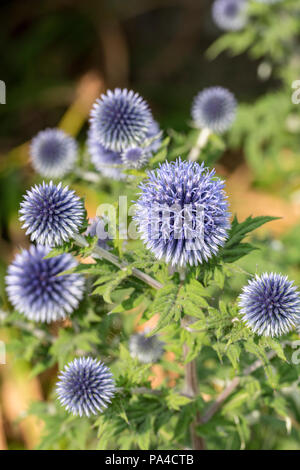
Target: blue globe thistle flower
38 290
108 162
135 157
155 137
146 349
270 304
230 15
95 228
182 213
214 108
53 153
119 119
51 213
85 387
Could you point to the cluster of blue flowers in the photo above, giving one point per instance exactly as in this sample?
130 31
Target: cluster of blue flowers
181 214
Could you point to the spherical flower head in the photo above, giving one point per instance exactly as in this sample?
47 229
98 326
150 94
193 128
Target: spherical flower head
38 290
108 162
146 349
182 213
214 108
155 137
230 15
119 119
270 304
53 153
51 213
96 228
135 157
85 387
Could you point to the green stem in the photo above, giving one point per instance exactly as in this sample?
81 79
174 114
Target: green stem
81 241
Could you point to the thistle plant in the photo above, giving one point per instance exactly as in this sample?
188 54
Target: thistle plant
213 352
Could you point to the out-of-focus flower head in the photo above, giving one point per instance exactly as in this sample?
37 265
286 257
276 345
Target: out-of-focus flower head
145 348
53 153
214 108
230 15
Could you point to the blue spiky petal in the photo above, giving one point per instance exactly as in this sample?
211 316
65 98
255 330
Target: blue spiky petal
85 387
214 108
146 349
270 304
230 15
135 157
53 153
51 213
97 228
182 213
38 290
119 119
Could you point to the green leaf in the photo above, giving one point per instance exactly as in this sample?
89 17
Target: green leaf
234 249
167 303
233 353
175 401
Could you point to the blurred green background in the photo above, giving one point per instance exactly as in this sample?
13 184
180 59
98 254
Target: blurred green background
57 56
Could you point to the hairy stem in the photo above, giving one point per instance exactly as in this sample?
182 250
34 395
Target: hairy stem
81 241
212 410
191 390
200 144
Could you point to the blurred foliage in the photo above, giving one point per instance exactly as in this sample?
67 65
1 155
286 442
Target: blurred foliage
47 49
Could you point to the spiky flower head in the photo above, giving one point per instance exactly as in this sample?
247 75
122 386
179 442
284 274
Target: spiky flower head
53 153
182 213
97 228
145 348
108 162
270 304
85 387
230 15
135 157
119 119
214 108
51 213
38 290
